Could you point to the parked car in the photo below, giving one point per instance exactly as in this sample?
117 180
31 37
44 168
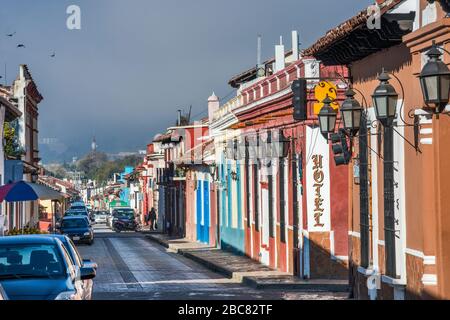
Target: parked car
3 295
78 206
40 268
78 229
77 212
100 216
77 262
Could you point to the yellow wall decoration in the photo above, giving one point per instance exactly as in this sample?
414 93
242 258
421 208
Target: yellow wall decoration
321 91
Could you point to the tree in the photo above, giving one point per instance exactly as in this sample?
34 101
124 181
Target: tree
96 166
11 147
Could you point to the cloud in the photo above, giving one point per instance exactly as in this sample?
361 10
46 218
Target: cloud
134 63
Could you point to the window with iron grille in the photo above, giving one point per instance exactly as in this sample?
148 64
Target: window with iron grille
271 224
364 192
389 200
247 183
296 163
270 181
256 188
281 176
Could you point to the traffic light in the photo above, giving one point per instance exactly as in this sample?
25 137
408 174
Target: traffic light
299 99
342 155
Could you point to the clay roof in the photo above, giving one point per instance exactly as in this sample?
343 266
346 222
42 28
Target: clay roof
249 73
347 27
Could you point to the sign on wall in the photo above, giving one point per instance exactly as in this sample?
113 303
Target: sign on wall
317 181
321 91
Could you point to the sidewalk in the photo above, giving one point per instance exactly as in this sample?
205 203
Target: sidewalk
242 268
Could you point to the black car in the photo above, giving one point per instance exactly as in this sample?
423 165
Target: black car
77 262
40 268
78 229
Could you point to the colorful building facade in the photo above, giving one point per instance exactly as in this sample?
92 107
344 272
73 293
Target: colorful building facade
398 226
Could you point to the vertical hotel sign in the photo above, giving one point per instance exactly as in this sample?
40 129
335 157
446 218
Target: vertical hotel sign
317 181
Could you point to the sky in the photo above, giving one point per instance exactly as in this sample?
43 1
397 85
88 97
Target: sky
134 63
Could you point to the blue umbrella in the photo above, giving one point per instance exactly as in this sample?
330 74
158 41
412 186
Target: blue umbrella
26 191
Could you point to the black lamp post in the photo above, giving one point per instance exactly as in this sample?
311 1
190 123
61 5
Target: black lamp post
435 80
327 117
385 100
351 112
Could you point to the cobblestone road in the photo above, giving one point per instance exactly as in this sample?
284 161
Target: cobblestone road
131 267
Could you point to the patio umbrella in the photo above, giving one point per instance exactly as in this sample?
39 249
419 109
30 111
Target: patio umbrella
26 191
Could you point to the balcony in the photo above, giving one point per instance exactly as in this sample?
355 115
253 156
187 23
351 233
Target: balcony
226 109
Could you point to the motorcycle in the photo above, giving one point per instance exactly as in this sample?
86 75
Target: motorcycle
120 225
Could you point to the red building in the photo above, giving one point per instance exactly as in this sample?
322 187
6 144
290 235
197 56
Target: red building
288 197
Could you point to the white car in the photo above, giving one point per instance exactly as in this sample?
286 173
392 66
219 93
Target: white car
100 217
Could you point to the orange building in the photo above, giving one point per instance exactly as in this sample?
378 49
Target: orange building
399 215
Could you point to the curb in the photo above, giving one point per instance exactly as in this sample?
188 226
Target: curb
251 281
210 265
158 241
309 287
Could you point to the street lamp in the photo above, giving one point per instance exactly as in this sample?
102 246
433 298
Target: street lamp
284 144
327 117
435 80
213 171
385 100
351 112
34 176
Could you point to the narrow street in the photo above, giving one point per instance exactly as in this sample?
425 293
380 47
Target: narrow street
131 267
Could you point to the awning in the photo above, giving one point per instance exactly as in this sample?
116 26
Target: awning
26 191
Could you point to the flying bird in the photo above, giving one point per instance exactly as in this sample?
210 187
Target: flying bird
11 34
20 46
53 55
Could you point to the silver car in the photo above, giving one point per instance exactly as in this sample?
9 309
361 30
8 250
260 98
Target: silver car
100 217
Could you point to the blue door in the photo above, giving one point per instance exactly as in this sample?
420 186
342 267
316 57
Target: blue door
199 208
206 212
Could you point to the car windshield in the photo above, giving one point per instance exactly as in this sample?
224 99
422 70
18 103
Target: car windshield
77 208
74 223
30 261
75 213
124 213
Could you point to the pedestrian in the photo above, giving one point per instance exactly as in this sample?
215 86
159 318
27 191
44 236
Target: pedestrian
147 218
152 219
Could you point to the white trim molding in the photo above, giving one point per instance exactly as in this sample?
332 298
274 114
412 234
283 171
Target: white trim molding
429 280
429 260
354 234
340 258
415 253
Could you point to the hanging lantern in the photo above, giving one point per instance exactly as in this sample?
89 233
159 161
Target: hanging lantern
351 112
385 100
327 117
435 80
